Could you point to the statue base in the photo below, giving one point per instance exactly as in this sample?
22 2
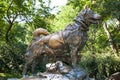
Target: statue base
59 71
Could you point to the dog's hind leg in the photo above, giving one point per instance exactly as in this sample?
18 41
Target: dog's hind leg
25 70
27 64
34 63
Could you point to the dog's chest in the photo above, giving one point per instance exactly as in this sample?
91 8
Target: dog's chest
77 38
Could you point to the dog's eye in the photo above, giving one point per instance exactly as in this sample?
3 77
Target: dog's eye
91 12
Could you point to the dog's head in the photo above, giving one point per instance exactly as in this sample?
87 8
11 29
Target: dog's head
88 16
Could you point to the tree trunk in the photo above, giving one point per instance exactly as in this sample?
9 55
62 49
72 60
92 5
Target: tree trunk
10 22
7 32
10 27
112 45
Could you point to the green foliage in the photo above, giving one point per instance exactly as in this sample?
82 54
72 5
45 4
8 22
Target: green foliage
100 64
79 4
65 17
11 58
5 76
112 8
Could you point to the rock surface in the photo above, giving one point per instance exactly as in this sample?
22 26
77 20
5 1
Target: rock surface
59 71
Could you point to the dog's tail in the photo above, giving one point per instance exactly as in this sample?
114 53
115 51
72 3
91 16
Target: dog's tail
38 32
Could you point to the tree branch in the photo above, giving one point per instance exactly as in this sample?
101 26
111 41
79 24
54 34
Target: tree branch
9 28
112 45
8 11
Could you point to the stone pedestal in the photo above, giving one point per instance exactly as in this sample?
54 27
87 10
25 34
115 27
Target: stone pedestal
60 71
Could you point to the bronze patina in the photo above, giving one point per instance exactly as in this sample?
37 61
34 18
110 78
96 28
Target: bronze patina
68 41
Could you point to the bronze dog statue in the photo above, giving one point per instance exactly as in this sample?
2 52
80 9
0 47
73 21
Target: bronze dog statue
70 40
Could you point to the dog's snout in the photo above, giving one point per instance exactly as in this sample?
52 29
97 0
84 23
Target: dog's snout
97 16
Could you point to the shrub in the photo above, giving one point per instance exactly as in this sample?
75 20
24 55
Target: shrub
99 65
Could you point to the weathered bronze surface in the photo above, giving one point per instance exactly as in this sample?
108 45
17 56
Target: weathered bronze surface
115 76
68 41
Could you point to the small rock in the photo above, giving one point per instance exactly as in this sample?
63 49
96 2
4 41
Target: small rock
13 79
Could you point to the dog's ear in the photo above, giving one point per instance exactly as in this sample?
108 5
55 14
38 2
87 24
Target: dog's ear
86 7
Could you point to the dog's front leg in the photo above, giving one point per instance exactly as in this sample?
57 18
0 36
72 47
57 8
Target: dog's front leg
73 54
